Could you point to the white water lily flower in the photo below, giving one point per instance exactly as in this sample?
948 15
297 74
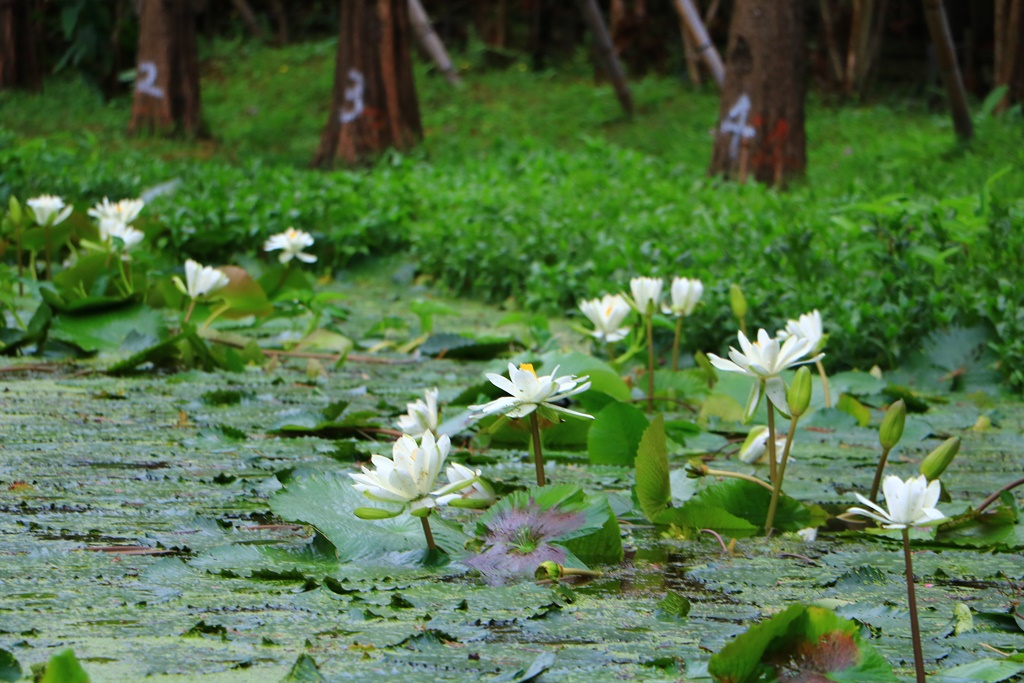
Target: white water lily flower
607 314
291 242
465 484
808 534
808 326
125 211
422 417
911 503
528 391
409 475
755 447
113 227
764 360
685 294
646 293
49 209
200 280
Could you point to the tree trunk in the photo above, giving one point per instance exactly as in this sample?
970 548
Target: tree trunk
19 67
166 96
761 117
705 48
938 28
431 43
374 103
606 53
1009 53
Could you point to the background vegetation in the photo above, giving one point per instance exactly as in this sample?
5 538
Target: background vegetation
531 190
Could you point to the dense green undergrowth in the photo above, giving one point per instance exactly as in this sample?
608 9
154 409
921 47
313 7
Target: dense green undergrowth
531 189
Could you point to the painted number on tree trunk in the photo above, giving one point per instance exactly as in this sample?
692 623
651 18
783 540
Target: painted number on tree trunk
353 107
735 124
145 81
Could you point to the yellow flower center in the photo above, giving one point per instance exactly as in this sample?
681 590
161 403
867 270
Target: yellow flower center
528 367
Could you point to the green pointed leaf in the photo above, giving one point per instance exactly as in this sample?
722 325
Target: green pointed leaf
63 667
304 670
603 546
243 295
653 489
615 435
819 643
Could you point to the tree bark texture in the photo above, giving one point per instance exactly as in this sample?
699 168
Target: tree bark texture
166 98
374 104
606 53
761 118
942 39
19 67
1009 51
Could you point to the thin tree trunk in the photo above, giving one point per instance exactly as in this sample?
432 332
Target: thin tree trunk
705 48
250 20
1009 64
938 27
166 95
857 52
281 17
431 43
828 27
690 53
19 66
761 117
606 53
374 104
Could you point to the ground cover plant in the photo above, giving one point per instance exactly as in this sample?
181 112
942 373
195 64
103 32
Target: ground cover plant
314 464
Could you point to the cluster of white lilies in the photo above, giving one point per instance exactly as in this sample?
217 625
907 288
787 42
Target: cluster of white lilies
409 478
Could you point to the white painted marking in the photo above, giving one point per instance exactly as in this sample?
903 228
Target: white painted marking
736 124
145 81
354 97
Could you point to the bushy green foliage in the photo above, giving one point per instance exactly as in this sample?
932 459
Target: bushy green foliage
531 189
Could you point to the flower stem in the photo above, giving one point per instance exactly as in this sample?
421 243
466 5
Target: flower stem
773 466
188 313
675 343
284 276
49 251
650 363
995 494
538 455
611 353
737 475
428 533
777 484
21 285
824 383
915 629
878 475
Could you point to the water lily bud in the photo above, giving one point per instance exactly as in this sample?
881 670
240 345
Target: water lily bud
374 513
737 301
891 431
551 571
15 210
936 462
799 394
696 468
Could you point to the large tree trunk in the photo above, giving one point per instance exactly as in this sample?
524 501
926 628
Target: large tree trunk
166 96
19 67
1009 52
761 117
374 103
